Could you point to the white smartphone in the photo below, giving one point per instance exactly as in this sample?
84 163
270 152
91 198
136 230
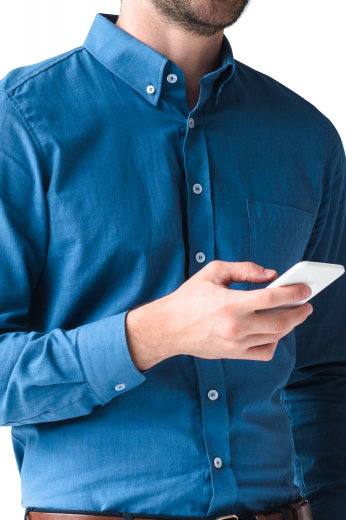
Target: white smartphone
317 275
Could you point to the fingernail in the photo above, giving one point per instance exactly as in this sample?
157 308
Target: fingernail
306 291
269 272
310 309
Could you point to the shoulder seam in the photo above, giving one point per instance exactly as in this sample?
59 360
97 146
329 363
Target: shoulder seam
28 126
46 66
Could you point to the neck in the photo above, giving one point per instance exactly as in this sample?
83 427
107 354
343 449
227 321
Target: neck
195 55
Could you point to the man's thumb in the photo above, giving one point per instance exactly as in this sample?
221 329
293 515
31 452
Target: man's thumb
225 273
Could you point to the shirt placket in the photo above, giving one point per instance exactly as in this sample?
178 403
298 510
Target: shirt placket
215 414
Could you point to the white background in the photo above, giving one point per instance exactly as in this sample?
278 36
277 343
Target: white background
301 43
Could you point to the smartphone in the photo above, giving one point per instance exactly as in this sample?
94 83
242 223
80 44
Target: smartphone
317 275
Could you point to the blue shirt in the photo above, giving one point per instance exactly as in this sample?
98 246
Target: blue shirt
99 157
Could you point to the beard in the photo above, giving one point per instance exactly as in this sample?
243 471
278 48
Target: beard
200 17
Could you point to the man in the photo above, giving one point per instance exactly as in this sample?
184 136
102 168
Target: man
147 181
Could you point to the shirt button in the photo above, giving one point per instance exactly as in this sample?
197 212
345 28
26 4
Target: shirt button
197 188
191 123
212 394
200 257
172 78
150 89
217 462
119 387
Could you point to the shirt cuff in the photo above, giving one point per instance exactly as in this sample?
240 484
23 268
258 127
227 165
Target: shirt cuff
105 357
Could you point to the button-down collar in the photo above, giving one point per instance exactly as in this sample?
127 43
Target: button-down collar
140 65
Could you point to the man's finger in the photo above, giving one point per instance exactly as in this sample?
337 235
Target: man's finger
273 297
277 323
225 273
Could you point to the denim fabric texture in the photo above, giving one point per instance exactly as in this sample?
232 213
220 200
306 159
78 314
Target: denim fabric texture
98 215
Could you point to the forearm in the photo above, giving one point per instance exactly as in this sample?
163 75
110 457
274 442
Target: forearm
147 334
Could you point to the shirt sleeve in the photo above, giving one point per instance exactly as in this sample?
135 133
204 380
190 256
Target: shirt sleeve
63 373
315 394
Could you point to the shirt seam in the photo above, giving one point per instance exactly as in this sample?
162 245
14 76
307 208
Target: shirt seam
298 465
46 66
281 222
18 440
295 455
47 413
83 369
28 126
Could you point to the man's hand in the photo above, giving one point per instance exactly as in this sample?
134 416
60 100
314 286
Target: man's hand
206 319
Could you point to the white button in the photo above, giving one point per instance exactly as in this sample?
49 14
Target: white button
150 89
197 188
191 123
119 387
217 462
200 257
212 394
172 78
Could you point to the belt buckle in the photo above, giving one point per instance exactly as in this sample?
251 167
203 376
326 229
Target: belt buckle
229 516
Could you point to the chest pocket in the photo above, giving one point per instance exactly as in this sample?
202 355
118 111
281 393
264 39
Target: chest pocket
278 235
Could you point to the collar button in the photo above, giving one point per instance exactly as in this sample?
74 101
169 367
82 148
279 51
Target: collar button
172 78
150 89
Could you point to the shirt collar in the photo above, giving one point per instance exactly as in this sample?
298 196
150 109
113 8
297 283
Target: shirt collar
140 65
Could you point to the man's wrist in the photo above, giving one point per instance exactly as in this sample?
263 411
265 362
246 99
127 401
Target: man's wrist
146 335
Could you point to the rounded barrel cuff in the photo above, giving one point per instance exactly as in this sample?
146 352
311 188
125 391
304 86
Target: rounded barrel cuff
105 357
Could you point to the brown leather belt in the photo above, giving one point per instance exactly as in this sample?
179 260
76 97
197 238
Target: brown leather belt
299 510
